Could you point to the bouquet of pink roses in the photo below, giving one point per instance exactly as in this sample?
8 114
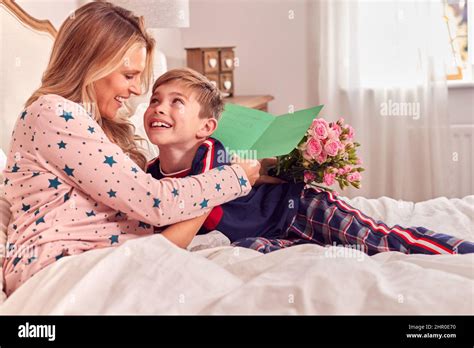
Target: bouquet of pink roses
326 154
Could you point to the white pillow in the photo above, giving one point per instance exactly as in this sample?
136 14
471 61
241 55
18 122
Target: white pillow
4 219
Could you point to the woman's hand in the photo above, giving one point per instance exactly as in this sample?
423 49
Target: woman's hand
251 168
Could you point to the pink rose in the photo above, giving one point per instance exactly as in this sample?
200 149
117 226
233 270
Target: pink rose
347 168
337 130
332 147
352 177
351 133
329 179
322 157
309 176
313 148
344 170
319 128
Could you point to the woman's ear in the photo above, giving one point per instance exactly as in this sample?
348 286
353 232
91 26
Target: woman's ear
207 128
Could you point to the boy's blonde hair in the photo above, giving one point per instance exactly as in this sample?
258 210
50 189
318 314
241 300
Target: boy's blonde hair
208 96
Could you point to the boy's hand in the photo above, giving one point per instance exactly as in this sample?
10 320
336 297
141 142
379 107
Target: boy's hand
264 178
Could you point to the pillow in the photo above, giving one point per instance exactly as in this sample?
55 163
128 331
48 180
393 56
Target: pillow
4 219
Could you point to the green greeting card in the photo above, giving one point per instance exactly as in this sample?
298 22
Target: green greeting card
242 128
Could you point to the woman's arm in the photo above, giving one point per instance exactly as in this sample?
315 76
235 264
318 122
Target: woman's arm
182 233
74 148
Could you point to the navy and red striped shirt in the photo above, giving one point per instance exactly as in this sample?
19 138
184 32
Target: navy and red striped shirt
267 211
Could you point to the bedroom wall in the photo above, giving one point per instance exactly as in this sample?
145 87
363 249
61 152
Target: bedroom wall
271 47
56 11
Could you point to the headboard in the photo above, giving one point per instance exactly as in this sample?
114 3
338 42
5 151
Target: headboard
25 49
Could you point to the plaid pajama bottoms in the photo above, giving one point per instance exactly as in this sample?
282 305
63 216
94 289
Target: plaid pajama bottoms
326 220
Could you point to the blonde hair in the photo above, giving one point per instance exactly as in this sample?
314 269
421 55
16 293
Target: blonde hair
208 96
90 45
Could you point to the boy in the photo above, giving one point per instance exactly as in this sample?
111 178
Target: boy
183 113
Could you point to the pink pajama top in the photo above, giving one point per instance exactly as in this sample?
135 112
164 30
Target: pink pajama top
72 190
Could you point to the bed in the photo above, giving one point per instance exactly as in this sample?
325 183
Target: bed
150 275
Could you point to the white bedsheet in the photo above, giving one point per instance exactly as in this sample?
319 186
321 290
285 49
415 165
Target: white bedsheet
151 276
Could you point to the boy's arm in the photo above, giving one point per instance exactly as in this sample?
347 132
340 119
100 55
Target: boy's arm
211 154
182 233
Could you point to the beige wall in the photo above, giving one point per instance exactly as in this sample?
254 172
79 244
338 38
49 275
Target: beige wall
56 11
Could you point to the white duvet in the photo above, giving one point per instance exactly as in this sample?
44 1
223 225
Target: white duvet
151 276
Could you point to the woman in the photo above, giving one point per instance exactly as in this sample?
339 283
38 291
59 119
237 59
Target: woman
74 173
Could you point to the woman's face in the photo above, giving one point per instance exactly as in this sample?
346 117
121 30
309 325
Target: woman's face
113 89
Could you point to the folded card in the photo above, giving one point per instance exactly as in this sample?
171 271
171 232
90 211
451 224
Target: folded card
245 129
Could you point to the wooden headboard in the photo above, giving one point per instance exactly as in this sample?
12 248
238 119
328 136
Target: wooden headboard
25 49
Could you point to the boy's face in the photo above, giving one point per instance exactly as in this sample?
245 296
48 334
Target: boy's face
172 118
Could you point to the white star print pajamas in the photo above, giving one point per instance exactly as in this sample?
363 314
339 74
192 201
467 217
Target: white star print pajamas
73 190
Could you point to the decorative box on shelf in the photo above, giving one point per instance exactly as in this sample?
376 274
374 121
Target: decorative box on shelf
216 63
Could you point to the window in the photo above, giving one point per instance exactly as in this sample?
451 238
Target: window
456 16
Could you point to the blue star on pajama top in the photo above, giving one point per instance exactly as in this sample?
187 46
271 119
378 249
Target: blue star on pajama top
143 224
114 239
243 182
54 183
25 207
67 115
203 204
16 260
62 145
23 114
109 160
68 171
156 202
112 193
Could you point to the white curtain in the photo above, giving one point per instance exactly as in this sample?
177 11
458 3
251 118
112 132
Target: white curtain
381 66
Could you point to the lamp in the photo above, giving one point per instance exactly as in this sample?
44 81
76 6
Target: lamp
159 14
